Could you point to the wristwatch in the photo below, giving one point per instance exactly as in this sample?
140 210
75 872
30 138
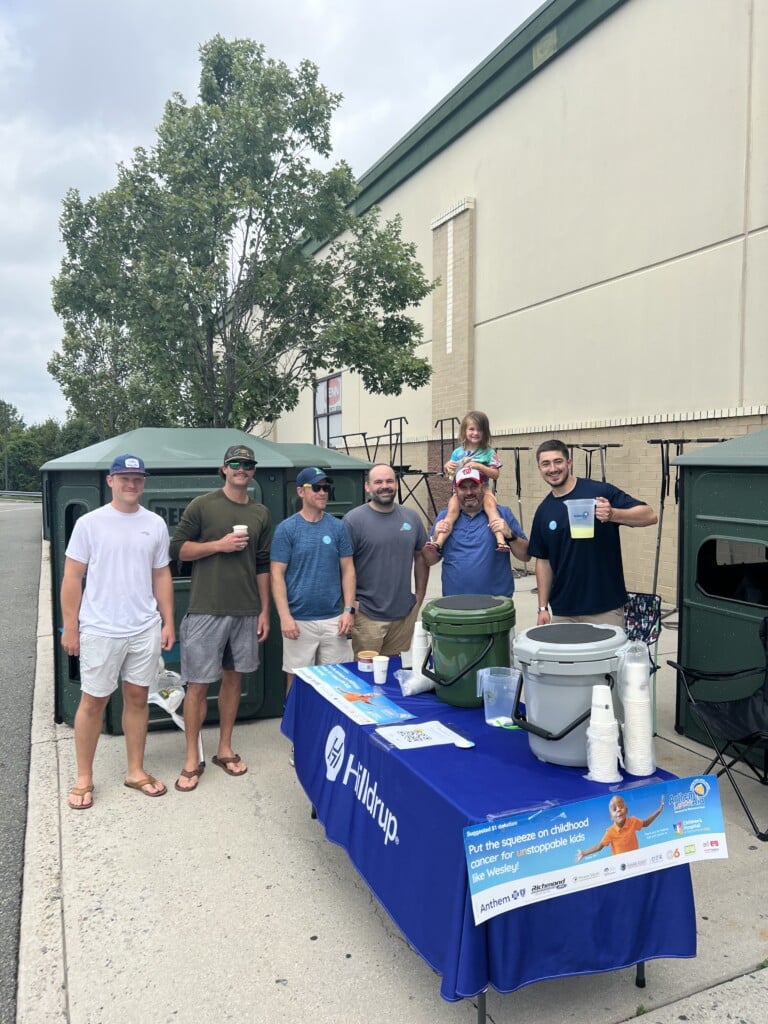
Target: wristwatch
543 608
350 610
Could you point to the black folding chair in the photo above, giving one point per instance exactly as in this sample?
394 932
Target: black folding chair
736 728
642 620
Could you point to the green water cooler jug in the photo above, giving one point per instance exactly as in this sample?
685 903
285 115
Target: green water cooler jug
469 632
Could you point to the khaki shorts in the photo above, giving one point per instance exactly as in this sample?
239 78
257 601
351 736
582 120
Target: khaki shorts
389 638
319 643
615 617
104 660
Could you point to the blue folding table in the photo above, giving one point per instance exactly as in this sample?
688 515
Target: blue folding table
400 816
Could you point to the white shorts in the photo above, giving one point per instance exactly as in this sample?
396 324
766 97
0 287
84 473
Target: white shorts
104 660
319 643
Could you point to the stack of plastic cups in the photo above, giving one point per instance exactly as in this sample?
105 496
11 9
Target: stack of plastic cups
639 757
602 738
419 646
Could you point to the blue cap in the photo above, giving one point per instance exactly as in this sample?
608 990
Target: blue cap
312 475
127 464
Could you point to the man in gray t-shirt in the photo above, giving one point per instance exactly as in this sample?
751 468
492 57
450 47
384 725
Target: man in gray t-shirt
387 542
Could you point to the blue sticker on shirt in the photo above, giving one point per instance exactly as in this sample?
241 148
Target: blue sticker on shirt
405 526
326 539
552 524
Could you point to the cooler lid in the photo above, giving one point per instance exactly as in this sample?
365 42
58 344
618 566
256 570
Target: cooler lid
569 641
462 609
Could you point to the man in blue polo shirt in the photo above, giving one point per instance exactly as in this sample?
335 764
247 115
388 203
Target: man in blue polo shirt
471 562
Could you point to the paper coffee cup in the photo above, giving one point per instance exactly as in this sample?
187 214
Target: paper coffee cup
240 529
380 666
365 660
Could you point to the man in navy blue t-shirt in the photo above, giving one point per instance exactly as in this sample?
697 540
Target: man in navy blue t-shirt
580 579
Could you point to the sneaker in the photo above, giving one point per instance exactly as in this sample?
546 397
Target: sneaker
290 757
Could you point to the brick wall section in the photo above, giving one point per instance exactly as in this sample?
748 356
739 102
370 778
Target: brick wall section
453 308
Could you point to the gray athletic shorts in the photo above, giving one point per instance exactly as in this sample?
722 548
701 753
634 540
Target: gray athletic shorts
210 643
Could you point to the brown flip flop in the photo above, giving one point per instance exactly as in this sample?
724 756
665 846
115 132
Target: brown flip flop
225 762
194 774
148 780
80 791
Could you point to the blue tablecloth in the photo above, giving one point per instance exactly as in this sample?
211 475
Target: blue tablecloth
400 815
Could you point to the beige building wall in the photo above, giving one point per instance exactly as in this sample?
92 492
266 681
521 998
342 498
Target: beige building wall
601 240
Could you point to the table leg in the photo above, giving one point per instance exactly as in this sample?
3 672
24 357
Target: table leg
640 975
481 1008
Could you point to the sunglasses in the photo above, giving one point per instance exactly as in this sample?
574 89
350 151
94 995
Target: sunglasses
320 487
239 464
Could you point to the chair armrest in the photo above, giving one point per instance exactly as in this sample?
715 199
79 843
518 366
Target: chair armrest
694 674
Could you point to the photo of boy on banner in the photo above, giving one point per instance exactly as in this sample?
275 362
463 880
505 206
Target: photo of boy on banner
621 836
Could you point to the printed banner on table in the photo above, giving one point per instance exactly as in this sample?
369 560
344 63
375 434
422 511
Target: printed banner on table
537 855
358 700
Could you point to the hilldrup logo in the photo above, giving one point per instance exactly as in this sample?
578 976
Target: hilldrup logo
334 752
365 790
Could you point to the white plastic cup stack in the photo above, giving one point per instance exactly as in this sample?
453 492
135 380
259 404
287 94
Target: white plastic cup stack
639 757
419 646
602 737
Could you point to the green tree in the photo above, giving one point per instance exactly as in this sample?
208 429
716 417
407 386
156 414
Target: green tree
23 449
11 428
190 293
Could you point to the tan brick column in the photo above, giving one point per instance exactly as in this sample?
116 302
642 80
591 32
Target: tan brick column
453 311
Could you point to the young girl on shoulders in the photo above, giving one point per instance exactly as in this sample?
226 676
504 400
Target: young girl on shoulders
474 450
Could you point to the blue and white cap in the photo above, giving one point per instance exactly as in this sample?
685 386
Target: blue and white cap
312 475
127 464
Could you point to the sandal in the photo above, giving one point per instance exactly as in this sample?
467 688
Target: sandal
194 774
80 791
225 762
148 780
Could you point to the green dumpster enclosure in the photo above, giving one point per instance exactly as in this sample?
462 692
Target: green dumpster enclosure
182 463
722 564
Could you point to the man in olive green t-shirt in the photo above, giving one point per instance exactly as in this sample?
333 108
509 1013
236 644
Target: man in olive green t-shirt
227 536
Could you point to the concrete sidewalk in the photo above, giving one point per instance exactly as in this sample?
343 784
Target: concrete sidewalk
229 904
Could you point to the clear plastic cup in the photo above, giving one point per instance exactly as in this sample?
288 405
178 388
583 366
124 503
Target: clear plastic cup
497 685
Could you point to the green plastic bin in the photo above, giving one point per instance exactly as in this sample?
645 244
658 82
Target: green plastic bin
469 632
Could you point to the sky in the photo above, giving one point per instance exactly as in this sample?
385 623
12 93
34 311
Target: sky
83 82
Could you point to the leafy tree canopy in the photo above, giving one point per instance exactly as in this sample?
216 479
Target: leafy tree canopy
189 294
23 449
